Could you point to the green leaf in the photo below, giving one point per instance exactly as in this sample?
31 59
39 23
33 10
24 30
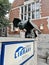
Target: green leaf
4 7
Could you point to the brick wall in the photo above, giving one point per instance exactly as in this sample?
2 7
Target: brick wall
44 8
14 14
44 22
44 13
17 3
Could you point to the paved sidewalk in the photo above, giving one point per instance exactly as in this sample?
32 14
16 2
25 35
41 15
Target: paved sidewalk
43 49
41 61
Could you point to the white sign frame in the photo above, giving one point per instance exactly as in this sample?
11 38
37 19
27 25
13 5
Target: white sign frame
4 47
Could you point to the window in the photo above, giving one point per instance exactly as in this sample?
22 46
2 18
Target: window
28 16
26 0
22 10
25 12
33 6
37 0
37 9
29 7
25 9
22 16
33 15
25 16
22 13
37 5
30 11
37 14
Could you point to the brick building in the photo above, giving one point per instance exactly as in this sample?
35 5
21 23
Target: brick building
37 11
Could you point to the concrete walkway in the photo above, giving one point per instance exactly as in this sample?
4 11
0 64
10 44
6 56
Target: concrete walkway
43 49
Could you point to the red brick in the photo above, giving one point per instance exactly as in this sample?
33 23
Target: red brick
44 13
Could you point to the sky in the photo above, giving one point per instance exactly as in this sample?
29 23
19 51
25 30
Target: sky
7 15
11 1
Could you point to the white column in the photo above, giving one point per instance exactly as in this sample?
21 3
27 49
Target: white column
48 22
20 13
23 12
35 10
11 26
31 11
27 12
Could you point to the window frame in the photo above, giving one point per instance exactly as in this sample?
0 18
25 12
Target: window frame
31 10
